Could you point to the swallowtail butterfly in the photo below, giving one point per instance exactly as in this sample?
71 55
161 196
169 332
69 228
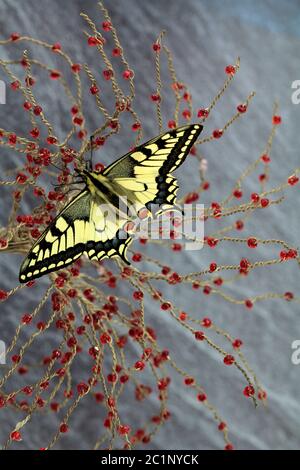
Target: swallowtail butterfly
142 176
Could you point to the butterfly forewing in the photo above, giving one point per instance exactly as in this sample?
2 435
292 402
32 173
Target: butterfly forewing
146 171
84 226
62 242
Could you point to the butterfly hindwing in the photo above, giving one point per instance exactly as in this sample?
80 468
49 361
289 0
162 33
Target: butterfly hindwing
109 239
146 171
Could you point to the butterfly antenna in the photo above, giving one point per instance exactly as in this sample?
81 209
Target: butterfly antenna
77 179
55 166
90 161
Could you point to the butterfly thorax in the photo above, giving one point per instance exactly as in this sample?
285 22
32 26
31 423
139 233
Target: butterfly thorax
96 183
107 191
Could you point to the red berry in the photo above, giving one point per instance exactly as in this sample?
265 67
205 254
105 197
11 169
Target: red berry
116 52
64 428
237 193
55 74
138 295
123 429
237 343
212 267
212 242
242 108
189 381
76 68
27 105
244 263
249 391
264 202
127 74
252 242
137 257
21 178
206 290
230 69
35 132
30 81
106 25
206 322
182 316
288 296
265 158
15 85
136 126
94 90
276 120
248 303
172 124
156 98
139 365
56 47
156 47
37 110
229 447
255 197
16 436
108 74
165 306
186 113
176 247
228 360
14 36
292 180
217 133
203 113
12 139
92 41
199 335
105 338
262 395
202 397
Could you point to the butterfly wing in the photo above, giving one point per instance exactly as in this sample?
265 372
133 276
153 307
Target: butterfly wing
107 238
62 242
85 225
146 171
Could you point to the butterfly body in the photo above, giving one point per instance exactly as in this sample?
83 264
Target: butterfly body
93 222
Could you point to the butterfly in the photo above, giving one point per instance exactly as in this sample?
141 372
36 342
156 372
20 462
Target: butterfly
92 222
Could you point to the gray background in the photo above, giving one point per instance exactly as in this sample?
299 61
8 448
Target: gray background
204 37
